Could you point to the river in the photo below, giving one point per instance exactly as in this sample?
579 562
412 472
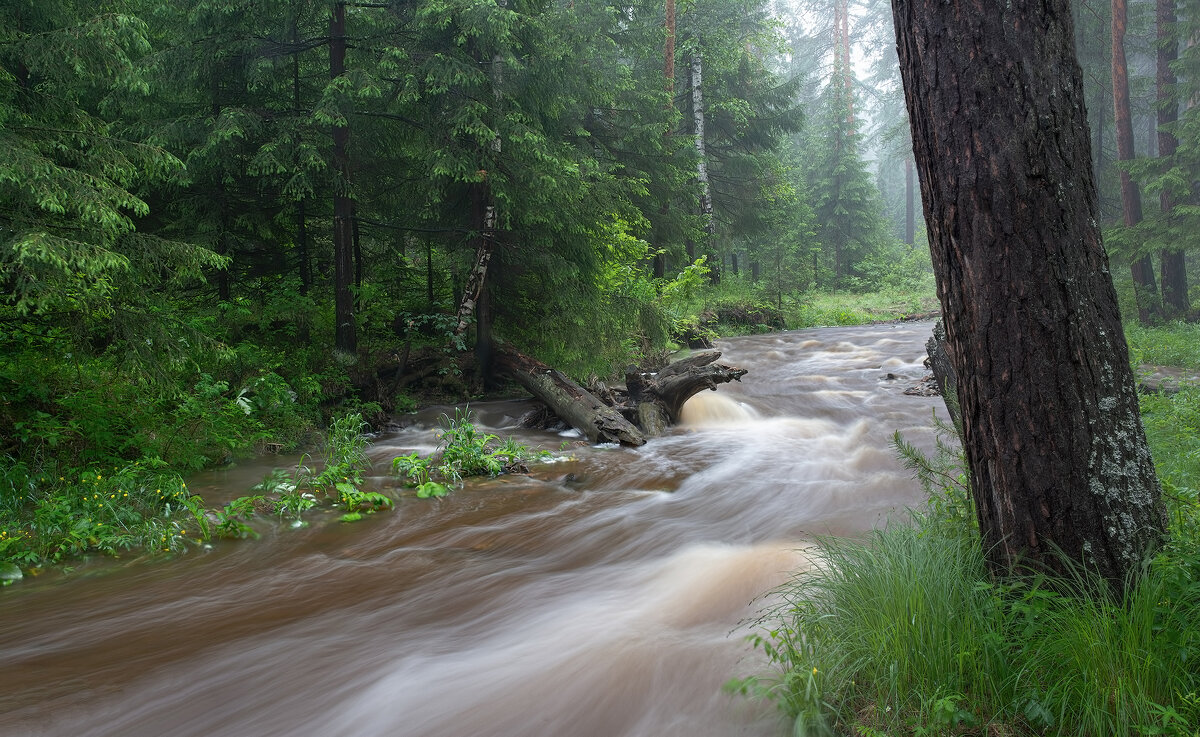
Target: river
602 595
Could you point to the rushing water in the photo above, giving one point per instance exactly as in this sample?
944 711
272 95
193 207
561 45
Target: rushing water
600 596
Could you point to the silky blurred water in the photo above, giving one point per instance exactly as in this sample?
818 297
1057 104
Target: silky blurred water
604 594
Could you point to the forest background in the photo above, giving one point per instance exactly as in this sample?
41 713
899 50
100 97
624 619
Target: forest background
223 224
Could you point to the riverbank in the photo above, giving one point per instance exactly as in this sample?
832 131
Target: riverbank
925 641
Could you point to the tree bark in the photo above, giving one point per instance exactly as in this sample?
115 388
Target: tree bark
943 373
345 330
301 214
669 50
1174 271
910 229
485 224
1131 202
1057 454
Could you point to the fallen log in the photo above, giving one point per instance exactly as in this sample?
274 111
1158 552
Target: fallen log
574 404
650 402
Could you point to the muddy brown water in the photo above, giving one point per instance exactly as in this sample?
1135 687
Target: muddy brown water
603 595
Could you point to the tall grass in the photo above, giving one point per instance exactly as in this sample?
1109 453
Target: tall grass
845 308
904 632
1173 344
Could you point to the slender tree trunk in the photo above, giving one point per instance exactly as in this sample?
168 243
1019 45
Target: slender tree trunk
358 254
223 287
483 327
302 247
841 55
345 327
669 49
1174 271
429 275
484 217
660 258
223 276
706 207
1131 202
1057 455
301 214
485 220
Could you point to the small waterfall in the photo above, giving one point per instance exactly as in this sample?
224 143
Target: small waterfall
713 408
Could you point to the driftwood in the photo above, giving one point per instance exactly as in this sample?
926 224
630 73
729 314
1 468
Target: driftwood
649 403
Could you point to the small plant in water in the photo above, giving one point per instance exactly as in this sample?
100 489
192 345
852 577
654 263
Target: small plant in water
290 493
231 521
464 451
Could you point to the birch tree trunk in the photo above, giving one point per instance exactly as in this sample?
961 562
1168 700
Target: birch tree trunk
706 207
485 219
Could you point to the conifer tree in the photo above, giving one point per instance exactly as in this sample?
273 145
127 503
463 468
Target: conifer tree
70 178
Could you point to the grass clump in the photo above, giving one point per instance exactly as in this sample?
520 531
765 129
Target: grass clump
904 632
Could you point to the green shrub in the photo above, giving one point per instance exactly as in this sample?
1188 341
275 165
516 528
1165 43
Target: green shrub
46 519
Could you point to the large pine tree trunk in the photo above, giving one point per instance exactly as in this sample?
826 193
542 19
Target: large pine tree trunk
1131 202
1057 454
1174 273
345 330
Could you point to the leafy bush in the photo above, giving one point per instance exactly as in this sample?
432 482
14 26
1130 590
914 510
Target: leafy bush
47 519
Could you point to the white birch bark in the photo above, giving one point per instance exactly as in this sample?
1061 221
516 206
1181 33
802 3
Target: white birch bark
706 208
